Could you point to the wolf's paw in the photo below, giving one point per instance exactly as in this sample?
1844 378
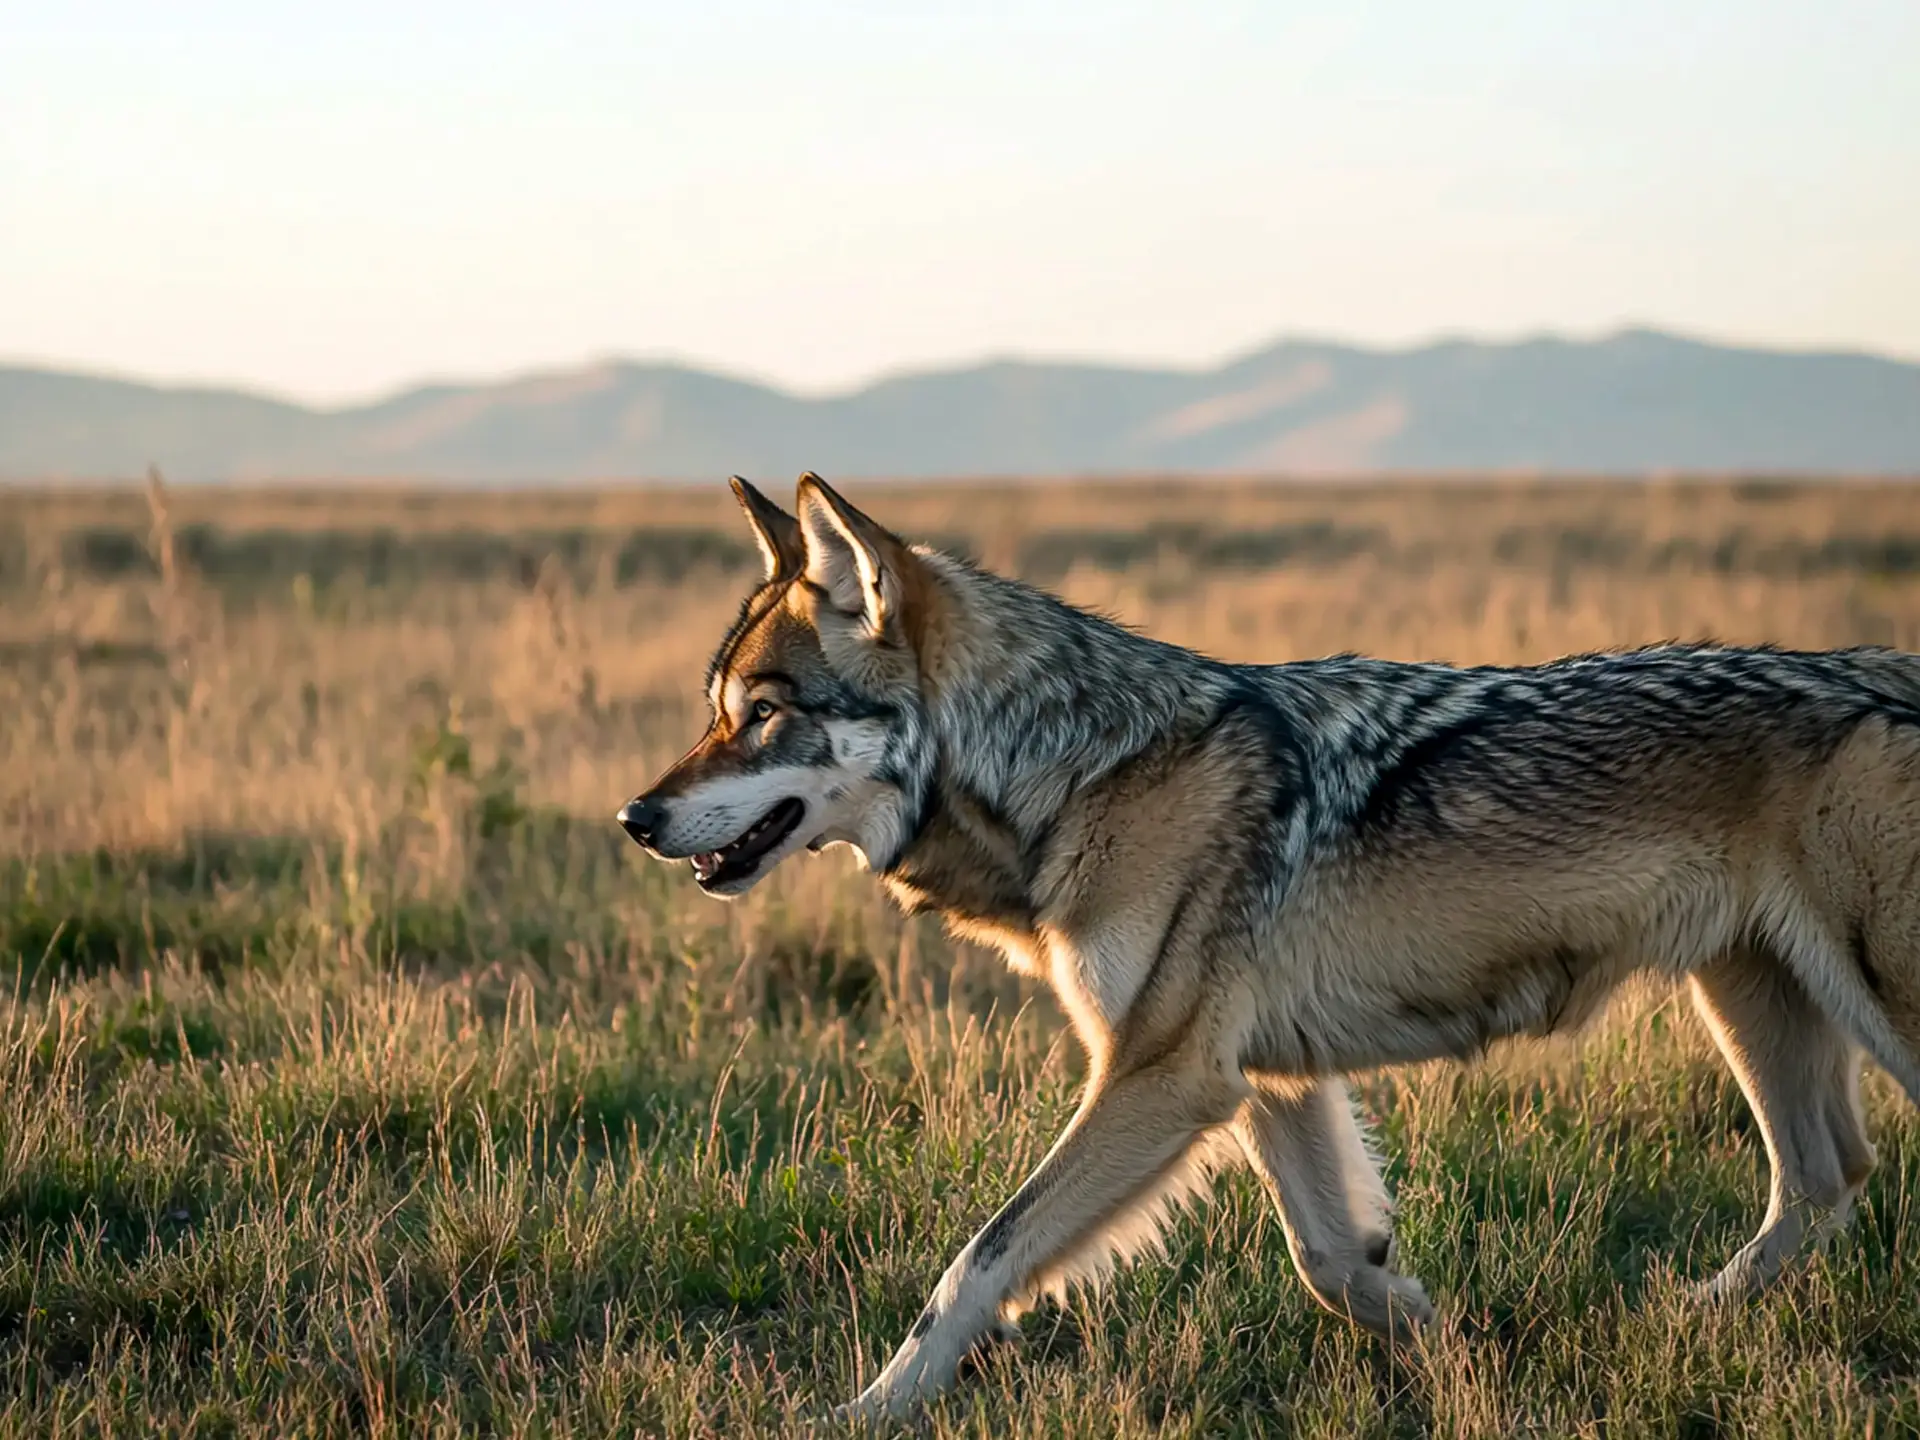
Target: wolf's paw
1408 1309
1729 1287
869 1413
1391 1305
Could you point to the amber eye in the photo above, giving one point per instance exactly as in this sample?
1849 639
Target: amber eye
763 709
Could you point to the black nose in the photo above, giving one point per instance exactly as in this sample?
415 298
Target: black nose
640 817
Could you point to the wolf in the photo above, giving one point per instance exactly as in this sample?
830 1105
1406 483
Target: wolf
1245 883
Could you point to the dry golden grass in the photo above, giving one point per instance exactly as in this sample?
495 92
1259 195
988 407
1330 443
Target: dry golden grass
359 1077
289 707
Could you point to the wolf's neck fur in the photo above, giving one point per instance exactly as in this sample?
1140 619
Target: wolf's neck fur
1027 701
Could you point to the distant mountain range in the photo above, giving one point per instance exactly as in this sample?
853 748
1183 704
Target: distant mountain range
1633 402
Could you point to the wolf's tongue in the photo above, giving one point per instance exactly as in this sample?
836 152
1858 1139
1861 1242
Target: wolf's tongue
706 862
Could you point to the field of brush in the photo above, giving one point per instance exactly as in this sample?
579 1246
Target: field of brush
358 1077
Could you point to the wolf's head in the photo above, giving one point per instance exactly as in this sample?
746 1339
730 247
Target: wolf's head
818 733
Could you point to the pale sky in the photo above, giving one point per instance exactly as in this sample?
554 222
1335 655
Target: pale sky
330 200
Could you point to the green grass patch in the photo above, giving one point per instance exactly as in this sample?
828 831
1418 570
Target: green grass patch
561 1153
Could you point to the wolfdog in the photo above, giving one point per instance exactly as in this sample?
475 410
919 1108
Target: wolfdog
1246 882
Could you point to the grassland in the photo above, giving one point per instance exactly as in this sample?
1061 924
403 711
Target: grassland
359 1078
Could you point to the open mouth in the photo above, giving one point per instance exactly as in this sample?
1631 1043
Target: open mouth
739 858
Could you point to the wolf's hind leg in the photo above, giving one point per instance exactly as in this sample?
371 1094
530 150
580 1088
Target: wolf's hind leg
1305 1141
1801 1076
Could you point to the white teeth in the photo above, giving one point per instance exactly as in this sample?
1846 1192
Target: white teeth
709 862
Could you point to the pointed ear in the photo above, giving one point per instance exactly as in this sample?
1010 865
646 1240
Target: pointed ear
854 559
778 533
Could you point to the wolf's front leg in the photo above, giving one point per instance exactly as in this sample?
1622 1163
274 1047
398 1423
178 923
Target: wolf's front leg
1305 1141
1119 1147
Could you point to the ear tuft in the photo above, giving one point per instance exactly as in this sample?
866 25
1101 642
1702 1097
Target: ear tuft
848 555
782 547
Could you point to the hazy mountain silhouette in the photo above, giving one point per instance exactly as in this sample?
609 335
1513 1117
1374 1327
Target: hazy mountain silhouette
1633 402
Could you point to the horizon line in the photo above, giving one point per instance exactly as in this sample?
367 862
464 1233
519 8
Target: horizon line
911 370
